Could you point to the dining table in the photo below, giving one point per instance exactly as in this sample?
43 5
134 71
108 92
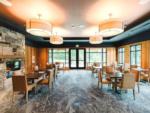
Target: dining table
115 78
36 76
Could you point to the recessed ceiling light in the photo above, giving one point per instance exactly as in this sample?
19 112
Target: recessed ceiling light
6 3
77 26
143 1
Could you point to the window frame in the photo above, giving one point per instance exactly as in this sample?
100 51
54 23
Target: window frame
122 52
100 53
52 55
136 51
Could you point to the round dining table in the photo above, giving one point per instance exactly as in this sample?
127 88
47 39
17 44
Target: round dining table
114 78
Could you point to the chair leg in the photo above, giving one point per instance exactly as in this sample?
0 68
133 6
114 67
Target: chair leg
148 80
138 85
27 96
113 87
35 90
101 86
13 97
98 84
134 94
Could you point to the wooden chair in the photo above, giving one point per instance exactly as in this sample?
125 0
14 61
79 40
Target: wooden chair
48 80
145 75
36 68
128 82
119 68
61 65
133 67
126 68
2 78
102 80
96 65
20 85
50 66
136 77
109 71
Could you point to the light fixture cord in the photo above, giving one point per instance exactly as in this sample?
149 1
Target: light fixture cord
39 16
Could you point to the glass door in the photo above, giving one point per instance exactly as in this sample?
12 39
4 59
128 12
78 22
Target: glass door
77 58
73 58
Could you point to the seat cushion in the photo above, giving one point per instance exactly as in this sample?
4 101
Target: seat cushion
43 81
31 86
106 82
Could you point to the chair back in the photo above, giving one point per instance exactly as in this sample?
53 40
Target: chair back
126 67
50 66
36 68
120 68
100 78
51 77
128 81
136 74
133 66
109 70
19 83
96 64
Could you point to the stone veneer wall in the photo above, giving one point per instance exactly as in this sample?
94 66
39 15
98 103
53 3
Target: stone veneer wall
12 45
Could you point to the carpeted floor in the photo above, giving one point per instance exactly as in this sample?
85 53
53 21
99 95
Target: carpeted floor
76 91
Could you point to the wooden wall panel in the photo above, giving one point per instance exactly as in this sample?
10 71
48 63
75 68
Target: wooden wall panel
30 58
42 57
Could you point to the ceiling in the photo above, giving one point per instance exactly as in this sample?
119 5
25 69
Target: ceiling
75 18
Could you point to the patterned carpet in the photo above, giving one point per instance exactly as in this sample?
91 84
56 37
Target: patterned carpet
77 92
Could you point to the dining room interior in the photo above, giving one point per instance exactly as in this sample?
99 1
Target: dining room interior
74 56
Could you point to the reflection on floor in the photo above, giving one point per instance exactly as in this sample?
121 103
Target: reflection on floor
77 92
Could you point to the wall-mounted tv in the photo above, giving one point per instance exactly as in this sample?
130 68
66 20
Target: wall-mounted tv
13 65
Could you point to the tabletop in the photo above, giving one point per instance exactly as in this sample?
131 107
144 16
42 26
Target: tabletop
117 75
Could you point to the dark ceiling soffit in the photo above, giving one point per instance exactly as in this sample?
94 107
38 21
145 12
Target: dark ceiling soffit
73 44
30 42
144 36
79 38
139 21
11 25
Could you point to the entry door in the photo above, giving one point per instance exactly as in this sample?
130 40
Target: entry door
77 58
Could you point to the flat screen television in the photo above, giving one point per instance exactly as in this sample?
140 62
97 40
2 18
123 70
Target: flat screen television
13 65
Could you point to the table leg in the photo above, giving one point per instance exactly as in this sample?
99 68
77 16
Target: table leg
115 84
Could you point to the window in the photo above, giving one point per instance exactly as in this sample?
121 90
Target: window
98 55
135 55
121 56
59 55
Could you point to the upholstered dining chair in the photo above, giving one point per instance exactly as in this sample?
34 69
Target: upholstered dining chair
48 81
133 66
126 67
50 66
120 68
102 80
109 71
145 75
128 82
136 77
96 64
36 68
20 84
